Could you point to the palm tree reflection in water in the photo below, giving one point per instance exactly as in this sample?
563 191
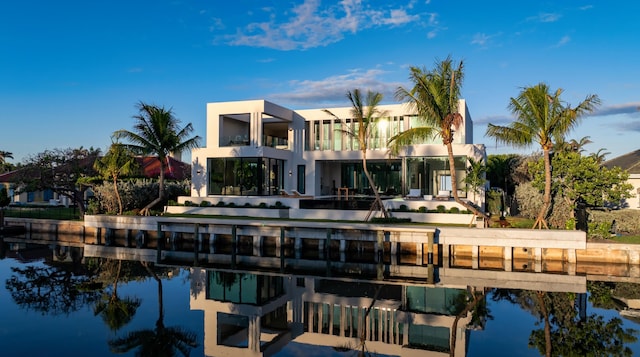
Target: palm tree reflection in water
116 312
162 341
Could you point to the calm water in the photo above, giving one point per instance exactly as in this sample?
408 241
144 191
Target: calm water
61 302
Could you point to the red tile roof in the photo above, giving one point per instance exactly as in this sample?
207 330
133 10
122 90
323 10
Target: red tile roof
177 170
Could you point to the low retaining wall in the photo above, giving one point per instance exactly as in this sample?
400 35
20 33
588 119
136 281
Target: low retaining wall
489 242
321 214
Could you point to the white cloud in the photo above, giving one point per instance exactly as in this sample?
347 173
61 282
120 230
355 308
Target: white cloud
332 90
479 39
626 108
545 17
563 41
482 39
311 25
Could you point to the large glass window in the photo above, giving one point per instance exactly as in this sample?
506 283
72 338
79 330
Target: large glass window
385 174
326 135
433 174
234 130
245 176
243 288
337 135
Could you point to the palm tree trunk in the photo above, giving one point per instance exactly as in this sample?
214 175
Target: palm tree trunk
114 294
454 328
546 200
454 185
115 189
160 303
547 325
147 208
378 200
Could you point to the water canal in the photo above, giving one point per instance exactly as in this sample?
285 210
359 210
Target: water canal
63 299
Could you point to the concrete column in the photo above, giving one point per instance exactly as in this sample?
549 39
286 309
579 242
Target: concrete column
257 245
331 319
419 256
343 320
310 317
98 236
297 245
212 243
508 258
254 333
634 257
475 256
537 258
394 248
320 317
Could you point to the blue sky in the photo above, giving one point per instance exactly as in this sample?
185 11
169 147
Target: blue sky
71 72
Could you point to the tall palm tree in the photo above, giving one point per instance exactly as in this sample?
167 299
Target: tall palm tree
541 117
157 132
434 98
366 114
117 162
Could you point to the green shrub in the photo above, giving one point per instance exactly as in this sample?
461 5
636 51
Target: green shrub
172 203
137 193
188 203
627 220
454 210
248 205
390 220
231 204
494 202
205 204
262 205
441 209
403 208
422 209
278 204
220 204
599 230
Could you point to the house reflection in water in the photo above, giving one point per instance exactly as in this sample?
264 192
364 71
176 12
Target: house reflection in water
248 314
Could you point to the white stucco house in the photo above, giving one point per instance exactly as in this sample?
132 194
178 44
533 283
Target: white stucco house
256 148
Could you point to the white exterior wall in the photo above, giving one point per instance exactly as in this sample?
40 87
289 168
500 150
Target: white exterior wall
634 202
255 111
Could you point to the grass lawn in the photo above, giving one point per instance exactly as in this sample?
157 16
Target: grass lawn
62 213
625 239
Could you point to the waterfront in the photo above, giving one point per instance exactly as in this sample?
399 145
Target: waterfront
58 300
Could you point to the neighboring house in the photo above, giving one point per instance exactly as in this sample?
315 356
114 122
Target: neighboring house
258 148
631 163
176 170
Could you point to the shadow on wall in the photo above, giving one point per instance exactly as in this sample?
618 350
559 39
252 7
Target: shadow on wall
198 176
